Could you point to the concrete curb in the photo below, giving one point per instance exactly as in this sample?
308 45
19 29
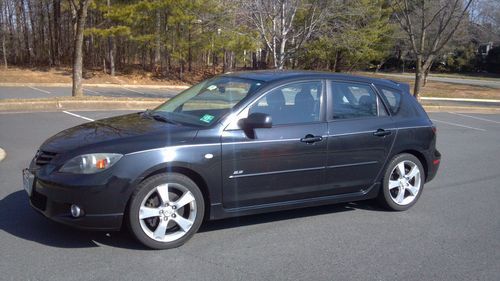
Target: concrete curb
60 105
58 85
2 154
459 99
462 109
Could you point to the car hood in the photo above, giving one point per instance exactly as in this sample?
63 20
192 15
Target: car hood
121 134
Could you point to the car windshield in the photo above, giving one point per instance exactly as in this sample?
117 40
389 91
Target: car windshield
206 102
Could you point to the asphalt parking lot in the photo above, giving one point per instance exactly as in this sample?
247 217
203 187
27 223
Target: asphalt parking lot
30 92
452 233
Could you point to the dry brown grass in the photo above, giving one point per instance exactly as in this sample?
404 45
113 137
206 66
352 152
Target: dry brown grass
438 89
448 90
63 75
21 75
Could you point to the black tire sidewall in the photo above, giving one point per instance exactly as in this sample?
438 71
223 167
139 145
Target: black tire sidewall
143 189
385 196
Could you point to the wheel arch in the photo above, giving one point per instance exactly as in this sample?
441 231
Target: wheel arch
190 173
420 156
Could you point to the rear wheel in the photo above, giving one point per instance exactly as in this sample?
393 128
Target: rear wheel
403 182
166 210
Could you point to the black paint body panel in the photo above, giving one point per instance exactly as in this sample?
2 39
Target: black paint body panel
269 170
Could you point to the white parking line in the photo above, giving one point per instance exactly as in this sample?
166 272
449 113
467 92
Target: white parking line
458 125
133 91
43 91
79 116
92 91
474 117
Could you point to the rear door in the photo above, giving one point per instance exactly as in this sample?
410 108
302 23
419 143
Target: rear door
360 136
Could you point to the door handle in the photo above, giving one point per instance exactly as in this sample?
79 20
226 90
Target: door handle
311 138
382 133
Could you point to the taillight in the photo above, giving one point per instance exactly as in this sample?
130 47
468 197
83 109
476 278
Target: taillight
434 129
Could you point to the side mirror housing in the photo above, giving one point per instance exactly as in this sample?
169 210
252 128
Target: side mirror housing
256 120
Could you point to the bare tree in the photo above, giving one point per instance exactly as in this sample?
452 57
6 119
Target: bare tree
157 50
429 25
276 22
112 48
57 31
3 30
80 8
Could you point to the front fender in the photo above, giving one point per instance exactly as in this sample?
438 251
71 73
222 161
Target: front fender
202 159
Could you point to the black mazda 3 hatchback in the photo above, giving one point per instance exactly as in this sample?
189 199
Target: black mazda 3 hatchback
237 144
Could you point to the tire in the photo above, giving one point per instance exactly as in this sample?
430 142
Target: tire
165 211
399 193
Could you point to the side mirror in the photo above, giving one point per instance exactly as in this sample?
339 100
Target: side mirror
256 120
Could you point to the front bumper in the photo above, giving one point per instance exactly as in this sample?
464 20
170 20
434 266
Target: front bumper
101 210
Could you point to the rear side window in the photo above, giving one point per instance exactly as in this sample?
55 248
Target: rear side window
393 98
353 100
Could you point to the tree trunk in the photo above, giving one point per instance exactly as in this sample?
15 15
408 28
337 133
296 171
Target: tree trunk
45 51
421 72
3 24
214 62
81 16
336 61
4 51
273 50
34 54
190 51
157 54
111 48
379 66
426 73
225 61
419 77
24 22
50 26
264 57
181 71
57 31
281 55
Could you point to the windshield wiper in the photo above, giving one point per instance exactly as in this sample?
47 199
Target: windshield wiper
158 117
147 113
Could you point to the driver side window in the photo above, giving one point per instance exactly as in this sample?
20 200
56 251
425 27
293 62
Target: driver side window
291 104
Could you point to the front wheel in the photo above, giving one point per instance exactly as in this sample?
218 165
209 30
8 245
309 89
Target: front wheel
166 210
403 182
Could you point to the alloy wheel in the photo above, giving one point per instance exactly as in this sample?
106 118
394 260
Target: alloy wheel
405 183
167 212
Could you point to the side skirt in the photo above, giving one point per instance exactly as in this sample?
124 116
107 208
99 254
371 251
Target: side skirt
217 211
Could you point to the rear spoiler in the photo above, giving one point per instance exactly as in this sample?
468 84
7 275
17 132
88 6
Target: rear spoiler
403 86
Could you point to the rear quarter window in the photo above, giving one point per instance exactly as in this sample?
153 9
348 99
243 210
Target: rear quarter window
392 98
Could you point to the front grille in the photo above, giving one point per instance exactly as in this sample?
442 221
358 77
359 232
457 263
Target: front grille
44 157
38 200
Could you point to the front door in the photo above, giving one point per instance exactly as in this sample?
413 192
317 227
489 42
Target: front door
282 163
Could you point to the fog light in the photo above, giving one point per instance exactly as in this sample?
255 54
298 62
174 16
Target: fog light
76 211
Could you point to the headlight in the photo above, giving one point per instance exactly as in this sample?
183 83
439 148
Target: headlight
90 163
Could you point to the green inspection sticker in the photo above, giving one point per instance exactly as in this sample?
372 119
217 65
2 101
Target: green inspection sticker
207 118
